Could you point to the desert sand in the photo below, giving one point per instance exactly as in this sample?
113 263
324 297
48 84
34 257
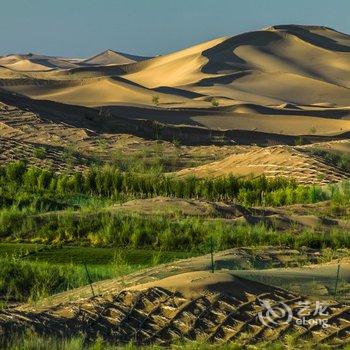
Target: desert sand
191 284
270 161
278 86
291 80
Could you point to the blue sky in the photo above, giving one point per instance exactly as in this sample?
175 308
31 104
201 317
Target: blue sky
82 28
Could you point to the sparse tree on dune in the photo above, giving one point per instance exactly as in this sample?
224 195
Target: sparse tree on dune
155 100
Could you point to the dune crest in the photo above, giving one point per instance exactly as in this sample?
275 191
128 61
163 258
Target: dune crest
109 57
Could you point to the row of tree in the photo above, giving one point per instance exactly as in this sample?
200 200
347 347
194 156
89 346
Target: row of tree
110 182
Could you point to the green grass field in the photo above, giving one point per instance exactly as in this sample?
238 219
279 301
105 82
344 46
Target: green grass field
87 255
33 271
30 342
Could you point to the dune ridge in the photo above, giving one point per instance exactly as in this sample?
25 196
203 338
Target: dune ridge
270 161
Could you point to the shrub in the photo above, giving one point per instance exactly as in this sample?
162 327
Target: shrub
155 100
40 152
215 102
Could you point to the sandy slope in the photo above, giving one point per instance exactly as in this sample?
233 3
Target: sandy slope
96 92
278 124
200 306
192 283
35 62
276 64
175 69
240 260
294 217
320 280
52 124
270 161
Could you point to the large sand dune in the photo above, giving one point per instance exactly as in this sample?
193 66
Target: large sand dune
96 92
289 79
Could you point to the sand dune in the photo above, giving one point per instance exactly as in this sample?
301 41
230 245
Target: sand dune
112 57
255 67
270 161
175 69
279 124
34 62
9 75
96 92
27 65
192 283
287 79
273 88
287 50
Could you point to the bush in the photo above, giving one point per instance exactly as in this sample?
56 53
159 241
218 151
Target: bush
155 100
40 152
215 102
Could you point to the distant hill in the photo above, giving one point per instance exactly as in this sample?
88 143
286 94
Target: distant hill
112 57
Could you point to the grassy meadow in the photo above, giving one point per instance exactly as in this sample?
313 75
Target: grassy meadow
54 225
30 272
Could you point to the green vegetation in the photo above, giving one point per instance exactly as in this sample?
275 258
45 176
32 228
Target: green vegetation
154 159
29 281
42 190
155 100
31 341
313 130
299 141
59 254
40 152
40 206
338 159
135 231
176 143
215 102
31 271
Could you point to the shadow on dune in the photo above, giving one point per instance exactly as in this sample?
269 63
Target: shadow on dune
178 92
151 123
222 58
226 79
313 38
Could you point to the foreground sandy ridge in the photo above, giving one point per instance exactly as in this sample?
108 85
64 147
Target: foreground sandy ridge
215 307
